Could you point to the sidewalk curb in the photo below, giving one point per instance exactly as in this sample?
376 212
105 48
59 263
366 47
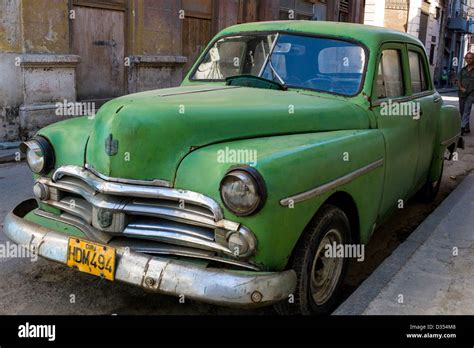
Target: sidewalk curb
447 90
359 301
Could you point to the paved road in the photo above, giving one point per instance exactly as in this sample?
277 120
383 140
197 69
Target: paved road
44 288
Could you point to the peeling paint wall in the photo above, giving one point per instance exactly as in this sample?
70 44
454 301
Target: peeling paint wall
10 30
45 26
10 73
32 27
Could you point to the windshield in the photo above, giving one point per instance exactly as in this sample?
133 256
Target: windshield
322 64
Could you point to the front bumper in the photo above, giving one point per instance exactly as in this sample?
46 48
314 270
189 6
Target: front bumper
161 275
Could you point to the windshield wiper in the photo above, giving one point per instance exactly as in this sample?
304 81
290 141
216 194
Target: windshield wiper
275 74
254 81
268 61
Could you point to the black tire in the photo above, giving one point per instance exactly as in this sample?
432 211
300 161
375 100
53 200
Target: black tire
431 188
306 300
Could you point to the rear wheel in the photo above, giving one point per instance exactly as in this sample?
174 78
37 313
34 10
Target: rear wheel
319 274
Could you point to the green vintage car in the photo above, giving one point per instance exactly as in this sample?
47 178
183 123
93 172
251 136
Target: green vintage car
286 143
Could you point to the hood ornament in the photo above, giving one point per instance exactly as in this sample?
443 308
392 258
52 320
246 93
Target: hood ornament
111 145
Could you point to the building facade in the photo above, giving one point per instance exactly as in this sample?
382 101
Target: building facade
443 26
458 35
93 50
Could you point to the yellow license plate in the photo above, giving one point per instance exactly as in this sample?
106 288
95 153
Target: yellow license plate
92 258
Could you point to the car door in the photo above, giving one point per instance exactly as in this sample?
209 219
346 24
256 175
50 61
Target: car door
429 105
400 131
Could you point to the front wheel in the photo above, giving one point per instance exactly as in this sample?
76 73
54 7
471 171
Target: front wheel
320 270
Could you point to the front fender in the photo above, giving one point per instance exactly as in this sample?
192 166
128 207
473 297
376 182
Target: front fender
69 140
291 165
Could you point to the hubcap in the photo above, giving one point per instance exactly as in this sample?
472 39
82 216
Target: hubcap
325 271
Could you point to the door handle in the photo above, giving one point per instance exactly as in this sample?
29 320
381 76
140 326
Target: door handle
418 112
437 99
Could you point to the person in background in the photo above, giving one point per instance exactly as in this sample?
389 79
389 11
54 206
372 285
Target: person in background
444 77
452 77
466 92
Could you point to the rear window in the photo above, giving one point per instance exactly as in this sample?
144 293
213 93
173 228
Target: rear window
417 72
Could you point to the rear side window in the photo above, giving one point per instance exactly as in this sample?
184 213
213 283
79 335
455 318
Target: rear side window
390 77
418 79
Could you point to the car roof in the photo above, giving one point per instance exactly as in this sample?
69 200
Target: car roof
369 35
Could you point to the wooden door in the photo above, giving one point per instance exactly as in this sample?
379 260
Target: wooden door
99 39
197 29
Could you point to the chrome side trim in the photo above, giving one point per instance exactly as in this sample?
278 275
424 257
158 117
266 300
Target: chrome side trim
155 182
301 197
130 190
451 140
163 275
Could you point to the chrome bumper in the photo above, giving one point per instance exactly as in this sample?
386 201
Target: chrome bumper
161 275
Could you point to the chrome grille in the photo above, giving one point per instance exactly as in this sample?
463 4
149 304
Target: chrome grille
158 216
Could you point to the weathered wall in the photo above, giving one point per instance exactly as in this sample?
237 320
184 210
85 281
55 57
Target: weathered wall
10 74
155 27
154 45
36 69
10 96
396 19
45 26
10 30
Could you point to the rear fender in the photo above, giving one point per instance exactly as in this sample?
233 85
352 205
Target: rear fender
448 137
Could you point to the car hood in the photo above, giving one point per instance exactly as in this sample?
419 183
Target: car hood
146 135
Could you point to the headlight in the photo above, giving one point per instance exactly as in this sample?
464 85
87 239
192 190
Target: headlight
243 191
39 155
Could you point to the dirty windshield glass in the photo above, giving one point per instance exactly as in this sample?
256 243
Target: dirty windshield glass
315 63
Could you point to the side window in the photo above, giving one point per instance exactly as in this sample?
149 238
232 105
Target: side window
417 73
390 76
